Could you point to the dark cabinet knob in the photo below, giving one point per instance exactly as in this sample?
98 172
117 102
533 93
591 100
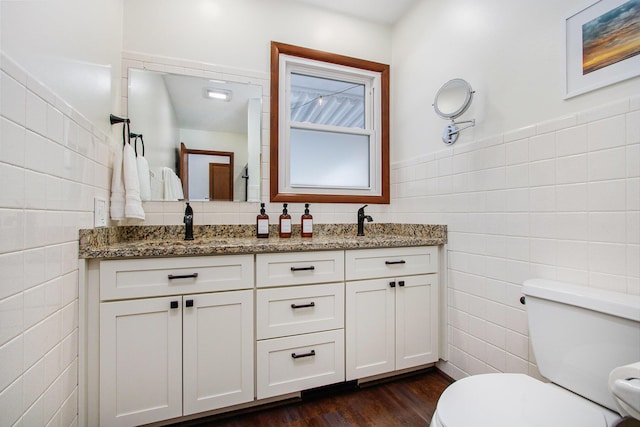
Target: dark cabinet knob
189 303
174 304
392 284
401 283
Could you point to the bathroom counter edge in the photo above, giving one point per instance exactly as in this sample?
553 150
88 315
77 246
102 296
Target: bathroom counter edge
164 241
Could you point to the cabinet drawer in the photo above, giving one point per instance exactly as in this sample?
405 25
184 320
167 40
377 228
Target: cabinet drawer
287 365
390 262
299 309
299 268
137 278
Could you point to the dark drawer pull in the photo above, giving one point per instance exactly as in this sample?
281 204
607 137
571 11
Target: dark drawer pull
392 284
189 303
302 268
395 262
183 276
174 304
401 283
311 304
298 356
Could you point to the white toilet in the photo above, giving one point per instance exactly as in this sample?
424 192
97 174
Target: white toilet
579 335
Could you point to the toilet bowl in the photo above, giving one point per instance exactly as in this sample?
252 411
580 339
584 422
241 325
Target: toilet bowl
578 336
516 400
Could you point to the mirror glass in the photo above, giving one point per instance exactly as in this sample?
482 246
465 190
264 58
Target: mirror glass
453 99
204 115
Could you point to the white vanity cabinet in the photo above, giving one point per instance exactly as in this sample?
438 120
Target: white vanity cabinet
300 321
177 336
186 352
391 310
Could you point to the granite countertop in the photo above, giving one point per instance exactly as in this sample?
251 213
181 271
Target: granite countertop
163 241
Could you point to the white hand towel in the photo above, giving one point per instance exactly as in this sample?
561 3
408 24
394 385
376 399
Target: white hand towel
177 186
117 188
155 176
172 185
144 178
133 204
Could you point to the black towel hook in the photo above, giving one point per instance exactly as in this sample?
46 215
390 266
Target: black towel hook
135 137
126 138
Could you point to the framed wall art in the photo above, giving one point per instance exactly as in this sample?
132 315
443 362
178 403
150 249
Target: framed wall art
602 45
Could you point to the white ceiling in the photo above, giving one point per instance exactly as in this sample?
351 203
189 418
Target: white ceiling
381 11
195 111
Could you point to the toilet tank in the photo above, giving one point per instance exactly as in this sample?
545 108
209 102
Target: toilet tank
579 334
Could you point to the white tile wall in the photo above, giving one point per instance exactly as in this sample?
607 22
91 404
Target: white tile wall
558 200
52 164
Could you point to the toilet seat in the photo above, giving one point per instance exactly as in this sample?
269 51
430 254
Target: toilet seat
507 400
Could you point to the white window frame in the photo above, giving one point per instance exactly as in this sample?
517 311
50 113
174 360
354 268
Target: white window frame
371 80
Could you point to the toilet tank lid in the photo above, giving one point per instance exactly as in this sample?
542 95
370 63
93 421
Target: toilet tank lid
614 303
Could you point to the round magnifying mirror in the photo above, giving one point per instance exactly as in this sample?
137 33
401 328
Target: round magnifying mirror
453 99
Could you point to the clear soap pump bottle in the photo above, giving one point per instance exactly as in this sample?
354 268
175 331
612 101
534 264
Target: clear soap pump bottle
262 223
285 222
306 222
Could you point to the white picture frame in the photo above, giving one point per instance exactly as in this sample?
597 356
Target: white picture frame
582 73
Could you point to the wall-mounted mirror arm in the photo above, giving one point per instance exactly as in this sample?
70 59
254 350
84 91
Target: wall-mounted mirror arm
450 133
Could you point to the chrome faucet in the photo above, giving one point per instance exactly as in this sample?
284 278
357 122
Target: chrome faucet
361 218
188 222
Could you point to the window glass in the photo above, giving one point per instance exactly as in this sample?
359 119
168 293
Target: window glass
329 159
325 101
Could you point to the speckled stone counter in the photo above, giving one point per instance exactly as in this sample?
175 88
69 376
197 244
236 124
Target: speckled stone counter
163 241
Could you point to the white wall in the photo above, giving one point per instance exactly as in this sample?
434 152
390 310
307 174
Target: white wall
59 80
52 164
541 187
71 46
511 54
237 33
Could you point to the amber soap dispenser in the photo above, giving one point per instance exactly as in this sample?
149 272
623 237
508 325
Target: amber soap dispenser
262 223
285 222
306 222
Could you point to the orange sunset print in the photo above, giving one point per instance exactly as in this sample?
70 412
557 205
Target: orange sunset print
611 37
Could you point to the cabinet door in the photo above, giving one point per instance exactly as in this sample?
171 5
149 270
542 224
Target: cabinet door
140 361
369 328
218 350
416 320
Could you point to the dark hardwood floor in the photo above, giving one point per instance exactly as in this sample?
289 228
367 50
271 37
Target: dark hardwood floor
406 401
